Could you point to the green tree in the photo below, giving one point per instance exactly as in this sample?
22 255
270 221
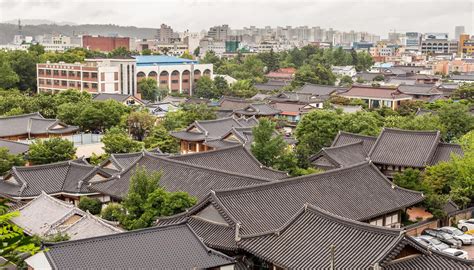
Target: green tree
50 151
161 138
24 65
148 87
36 48
187 55
221 86
378 78
364 61
122 51
267 147
345 81
205 88
93 205
188 114
211 58
8 77
146 200
117 140
7 160
197 51
409 107
457 120
316 130
140 124
313 74
409 179
112 212
465 91
15 244
367 123
146 52
270 59
243 89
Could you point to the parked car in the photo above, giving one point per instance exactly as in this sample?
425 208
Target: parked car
466 225
466 239
431 242
443 237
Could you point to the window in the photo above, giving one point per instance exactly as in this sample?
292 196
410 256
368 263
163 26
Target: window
85 74
56 82
377 222
163 82
64 83
56 72
174 81
185 80
391 219
72 84
63 73
94 86
41 72
85 85
94 75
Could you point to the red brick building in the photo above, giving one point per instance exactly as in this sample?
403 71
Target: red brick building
105 44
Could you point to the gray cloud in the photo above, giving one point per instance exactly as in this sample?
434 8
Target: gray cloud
364 15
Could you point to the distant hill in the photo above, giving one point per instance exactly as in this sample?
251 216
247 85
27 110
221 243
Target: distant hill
9 30
37 22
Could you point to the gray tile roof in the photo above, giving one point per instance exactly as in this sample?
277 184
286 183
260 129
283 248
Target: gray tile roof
297 97
61 177
444 150
334 191
33 124
404 147
46 215
344 138
13 147
213 129
258 110
462 77
177 176
214 235
343 155
319 90
219 144
171 247
232 103
419 89
270 85
305 241
267 207
235 159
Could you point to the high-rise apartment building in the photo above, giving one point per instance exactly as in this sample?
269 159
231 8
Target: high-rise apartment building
219 33
165 33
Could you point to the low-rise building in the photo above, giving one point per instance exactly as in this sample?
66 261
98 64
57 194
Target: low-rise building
344 71
110 75
105 44
33 126
178 75
377 97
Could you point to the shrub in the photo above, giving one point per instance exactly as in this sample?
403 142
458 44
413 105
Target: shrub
112 212
92 205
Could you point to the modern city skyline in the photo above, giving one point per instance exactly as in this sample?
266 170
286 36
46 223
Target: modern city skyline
370 16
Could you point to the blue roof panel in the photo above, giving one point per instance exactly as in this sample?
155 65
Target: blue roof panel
149 60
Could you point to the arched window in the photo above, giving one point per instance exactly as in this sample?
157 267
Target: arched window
207 72
152 74
141 74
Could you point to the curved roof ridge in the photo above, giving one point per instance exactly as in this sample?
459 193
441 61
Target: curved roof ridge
38 114
343 145
210 221
181 163
95 219
293 179
205 152
399 130
48 197
209 250
49 165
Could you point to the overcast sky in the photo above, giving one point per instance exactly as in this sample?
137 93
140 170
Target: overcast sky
375 16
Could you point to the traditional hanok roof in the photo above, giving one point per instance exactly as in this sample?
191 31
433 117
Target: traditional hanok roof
340 156
356 245
15 148
444 151
122 98
212 129
305 242
170 247
320 90
405 147
267 207
419 90
258 110
32 124
177 176
232 103
344 138
235 159
62 177
271 85
374 92
297 97
45 216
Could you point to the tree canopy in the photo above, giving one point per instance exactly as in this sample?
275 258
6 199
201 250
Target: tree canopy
50 151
